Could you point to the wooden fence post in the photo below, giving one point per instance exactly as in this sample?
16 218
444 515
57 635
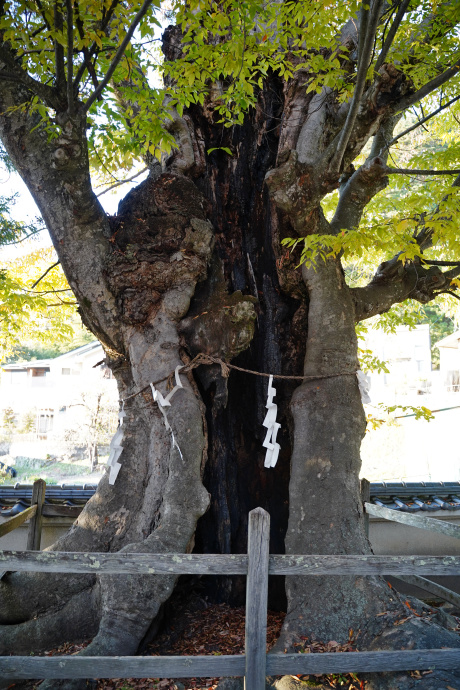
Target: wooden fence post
365 498
256 599
35 525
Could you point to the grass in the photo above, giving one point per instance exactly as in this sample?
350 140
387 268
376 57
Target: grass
53 471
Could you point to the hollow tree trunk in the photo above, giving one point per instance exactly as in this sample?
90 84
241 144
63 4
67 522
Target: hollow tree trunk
192 263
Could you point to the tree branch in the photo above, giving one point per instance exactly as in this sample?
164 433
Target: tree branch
391 34
70 92
363 25
120 182
409 171
45 273
391 284
440 263
370 27
87 64
119 54
16 73
364 183
430 86
449 292
43 15
356 193
453 273
422 121
58 49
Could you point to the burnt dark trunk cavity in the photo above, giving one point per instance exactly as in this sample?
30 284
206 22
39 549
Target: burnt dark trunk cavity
247 246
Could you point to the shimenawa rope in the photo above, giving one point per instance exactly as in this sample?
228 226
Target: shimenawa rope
225 367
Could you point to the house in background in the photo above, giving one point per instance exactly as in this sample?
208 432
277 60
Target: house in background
52 387
449 365
410 449
407 354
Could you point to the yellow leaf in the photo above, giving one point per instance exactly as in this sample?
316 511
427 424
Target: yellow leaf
403 225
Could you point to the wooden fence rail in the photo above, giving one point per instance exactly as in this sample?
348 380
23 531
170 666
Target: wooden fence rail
34 514
257 565
17 520
216 564
420 521
26 667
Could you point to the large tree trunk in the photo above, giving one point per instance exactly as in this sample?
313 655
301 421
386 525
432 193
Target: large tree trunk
193 264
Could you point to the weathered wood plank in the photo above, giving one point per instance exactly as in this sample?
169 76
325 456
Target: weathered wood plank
420 521
123 563
22 667
256 599
365 487
432 587
61 511
34 535
17 520
215 564
364 565
355 662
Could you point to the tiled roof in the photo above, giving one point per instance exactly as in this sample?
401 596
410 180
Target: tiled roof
15 499
412 497
407 497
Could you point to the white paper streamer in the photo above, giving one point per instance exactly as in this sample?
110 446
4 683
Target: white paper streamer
165 402
364 386
116 448
273 448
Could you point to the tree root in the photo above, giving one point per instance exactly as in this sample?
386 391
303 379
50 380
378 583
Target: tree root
25 596
75 621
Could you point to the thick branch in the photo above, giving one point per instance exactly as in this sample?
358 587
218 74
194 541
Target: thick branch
362 31
368 44
57 173
430 86
356 193
58 49
364 184
454 272
119 54
70 96
395 282
391 34
47 94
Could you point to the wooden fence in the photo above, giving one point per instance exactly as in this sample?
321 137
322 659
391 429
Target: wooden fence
35 513
257 565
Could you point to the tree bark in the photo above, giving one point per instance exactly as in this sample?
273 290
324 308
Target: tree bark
192 263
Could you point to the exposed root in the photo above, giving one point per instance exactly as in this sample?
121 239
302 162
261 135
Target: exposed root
76 621
24 596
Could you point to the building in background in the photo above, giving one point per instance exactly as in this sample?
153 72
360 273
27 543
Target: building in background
406 448
53 390
449 351
407 354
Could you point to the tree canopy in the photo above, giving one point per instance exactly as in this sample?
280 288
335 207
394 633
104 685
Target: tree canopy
69 53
